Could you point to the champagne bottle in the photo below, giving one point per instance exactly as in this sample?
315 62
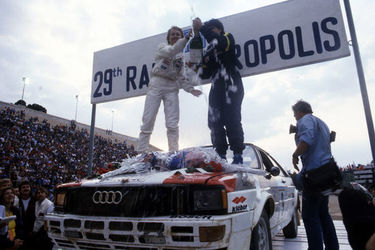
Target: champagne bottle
196 47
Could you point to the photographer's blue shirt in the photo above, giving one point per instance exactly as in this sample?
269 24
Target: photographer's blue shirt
315 133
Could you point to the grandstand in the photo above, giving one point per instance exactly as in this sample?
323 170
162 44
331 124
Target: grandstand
47 150
364 174
55 120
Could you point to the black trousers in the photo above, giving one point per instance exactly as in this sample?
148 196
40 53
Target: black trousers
224 114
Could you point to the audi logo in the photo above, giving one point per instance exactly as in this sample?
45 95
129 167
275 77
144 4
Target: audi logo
107 197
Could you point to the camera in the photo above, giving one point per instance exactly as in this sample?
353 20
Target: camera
292 129
332 136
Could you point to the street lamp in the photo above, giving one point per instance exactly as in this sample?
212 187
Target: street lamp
25 80
113 112
75 117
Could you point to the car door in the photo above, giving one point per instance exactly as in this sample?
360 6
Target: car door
274 185
286 190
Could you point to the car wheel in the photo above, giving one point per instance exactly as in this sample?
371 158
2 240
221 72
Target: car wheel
291 230
261 235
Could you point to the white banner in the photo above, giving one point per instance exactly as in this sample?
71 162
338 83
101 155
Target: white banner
275 37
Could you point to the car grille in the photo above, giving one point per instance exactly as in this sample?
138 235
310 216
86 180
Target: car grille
93 233
142 201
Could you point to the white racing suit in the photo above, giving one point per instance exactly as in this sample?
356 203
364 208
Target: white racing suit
166 79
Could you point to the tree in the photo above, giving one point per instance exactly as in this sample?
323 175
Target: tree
21 102
37 107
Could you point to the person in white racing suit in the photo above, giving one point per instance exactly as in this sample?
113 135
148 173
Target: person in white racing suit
166 79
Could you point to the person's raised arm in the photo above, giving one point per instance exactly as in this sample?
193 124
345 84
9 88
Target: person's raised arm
165 50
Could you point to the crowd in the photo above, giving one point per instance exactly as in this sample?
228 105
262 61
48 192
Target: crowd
22 222
47 155
34 158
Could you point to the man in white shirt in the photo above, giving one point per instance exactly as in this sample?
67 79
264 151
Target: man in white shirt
42 207
16 192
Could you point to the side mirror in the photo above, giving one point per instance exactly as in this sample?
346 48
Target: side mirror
275 171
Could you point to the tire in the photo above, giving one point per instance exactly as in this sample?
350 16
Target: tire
291 230
261 235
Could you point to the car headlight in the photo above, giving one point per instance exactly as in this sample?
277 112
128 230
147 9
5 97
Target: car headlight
210 234
210 199
60 199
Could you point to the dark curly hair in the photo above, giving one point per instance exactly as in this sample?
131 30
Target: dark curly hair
303 107
215 23
2 193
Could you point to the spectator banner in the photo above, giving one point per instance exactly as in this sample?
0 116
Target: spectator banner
275 37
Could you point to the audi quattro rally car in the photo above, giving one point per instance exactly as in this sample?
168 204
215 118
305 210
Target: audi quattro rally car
186 200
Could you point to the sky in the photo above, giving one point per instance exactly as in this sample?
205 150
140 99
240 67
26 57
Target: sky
52 43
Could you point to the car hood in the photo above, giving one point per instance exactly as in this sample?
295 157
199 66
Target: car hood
178 177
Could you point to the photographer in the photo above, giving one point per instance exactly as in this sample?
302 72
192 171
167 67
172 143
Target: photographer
313 146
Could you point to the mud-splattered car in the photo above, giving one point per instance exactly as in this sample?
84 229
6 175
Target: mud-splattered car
184 200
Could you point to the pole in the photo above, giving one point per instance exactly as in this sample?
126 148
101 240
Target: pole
92 135
112 120
23 90
75 117
24 79
361 77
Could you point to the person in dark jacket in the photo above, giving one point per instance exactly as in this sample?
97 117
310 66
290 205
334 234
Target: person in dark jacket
358 214
12 236
27 209
226 94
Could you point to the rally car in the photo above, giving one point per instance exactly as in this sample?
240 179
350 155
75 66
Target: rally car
191 199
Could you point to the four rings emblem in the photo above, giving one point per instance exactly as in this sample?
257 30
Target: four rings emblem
107 197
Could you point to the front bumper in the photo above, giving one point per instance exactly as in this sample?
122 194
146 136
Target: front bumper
230 231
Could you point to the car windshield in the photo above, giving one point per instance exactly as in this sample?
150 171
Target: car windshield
250 158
